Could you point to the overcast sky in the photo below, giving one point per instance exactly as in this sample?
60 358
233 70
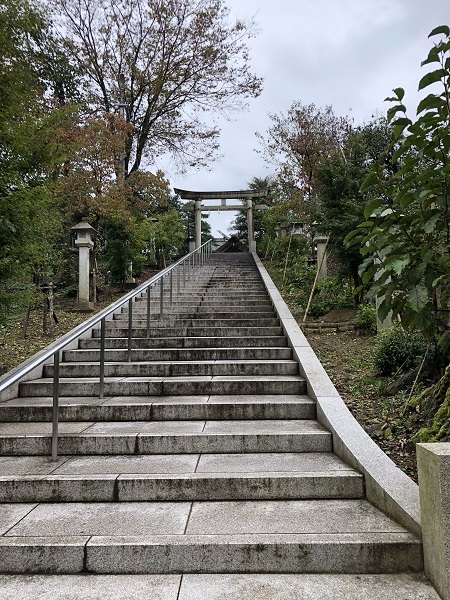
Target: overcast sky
347 53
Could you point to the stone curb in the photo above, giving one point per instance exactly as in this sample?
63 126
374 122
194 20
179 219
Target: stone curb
387 487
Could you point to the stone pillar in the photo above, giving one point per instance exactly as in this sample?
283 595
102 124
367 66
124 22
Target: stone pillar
198 223
130 280
84 241
321 242
191 245
433 461
83 303
251 237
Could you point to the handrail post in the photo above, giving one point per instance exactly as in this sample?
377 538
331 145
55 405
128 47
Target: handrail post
101 390
130 328
148 311
184 273
55 415
171 287
161 297
178 279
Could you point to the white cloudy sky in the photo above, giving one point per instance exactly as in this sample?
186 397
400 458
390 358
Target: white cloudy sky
347 53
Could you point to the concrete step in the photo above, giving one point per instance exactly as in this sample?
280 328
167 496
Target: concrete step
405 586
283 536
176 331
173 386
183 478
177 369
267 341
176 321
180 354
199 315
180 487
160 408
166 437
197 302
210 312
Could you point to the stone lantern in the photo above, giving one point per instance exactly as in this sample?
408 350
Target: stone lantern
84 241
321 241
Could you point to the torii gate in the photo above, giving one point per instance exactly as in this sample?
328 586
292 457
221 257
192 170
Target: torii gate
248 195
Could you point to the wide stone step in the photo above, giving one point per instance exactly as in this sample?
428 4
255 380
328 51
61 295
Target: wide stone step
176 321
177 369
284 536
177 354
210 312
168 408
190 302
198 315
187 477
219 586
187 342
173 386
192 332
169 487
166 437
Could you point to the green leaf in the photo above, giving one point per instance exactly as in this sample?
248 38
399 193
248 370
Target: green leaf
433 56
349 237
430 78
384 309
416 274
441 29
369 181
366 224
399 125
395 109
438 280
430 101
417 298
431 223
399 92
398 265
371 206
369 273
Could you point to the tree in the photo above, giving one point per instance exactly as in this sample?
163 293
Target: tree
29 218
299 140
165 63
340 176
406 235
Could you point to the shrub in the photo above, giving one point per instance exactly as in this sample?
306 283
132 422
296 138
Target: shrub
366 317
397 349
331 293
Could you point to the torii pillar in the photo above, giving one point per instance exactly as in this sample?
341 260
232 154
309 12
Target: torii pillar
251 236
246 196
198 223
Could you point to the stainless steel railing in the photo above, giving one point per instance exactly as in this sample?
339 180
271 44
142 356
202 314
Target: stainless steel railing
183 269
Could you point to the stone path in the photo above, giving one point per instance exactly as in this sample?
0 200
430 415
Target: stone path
205 456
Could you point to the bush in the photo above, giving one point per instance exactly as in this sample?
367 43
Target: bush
366 317
397 349
331 293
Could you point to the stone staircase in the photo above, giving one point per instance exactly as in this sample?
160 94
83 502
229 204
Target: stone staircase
204 456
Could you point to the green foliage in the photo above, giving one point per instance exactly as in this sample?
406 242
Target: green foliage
398 350
366 317
331 293
30 224
340 176
433 407
405 238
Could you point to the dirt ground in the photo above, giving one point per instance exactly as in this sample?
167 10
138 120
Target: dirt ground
346 356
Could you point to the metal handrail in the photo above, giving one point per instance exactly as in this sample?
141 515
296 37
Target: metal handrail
188 262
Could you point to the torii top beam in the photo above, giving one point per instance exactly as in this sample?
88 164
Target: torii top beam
232 195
